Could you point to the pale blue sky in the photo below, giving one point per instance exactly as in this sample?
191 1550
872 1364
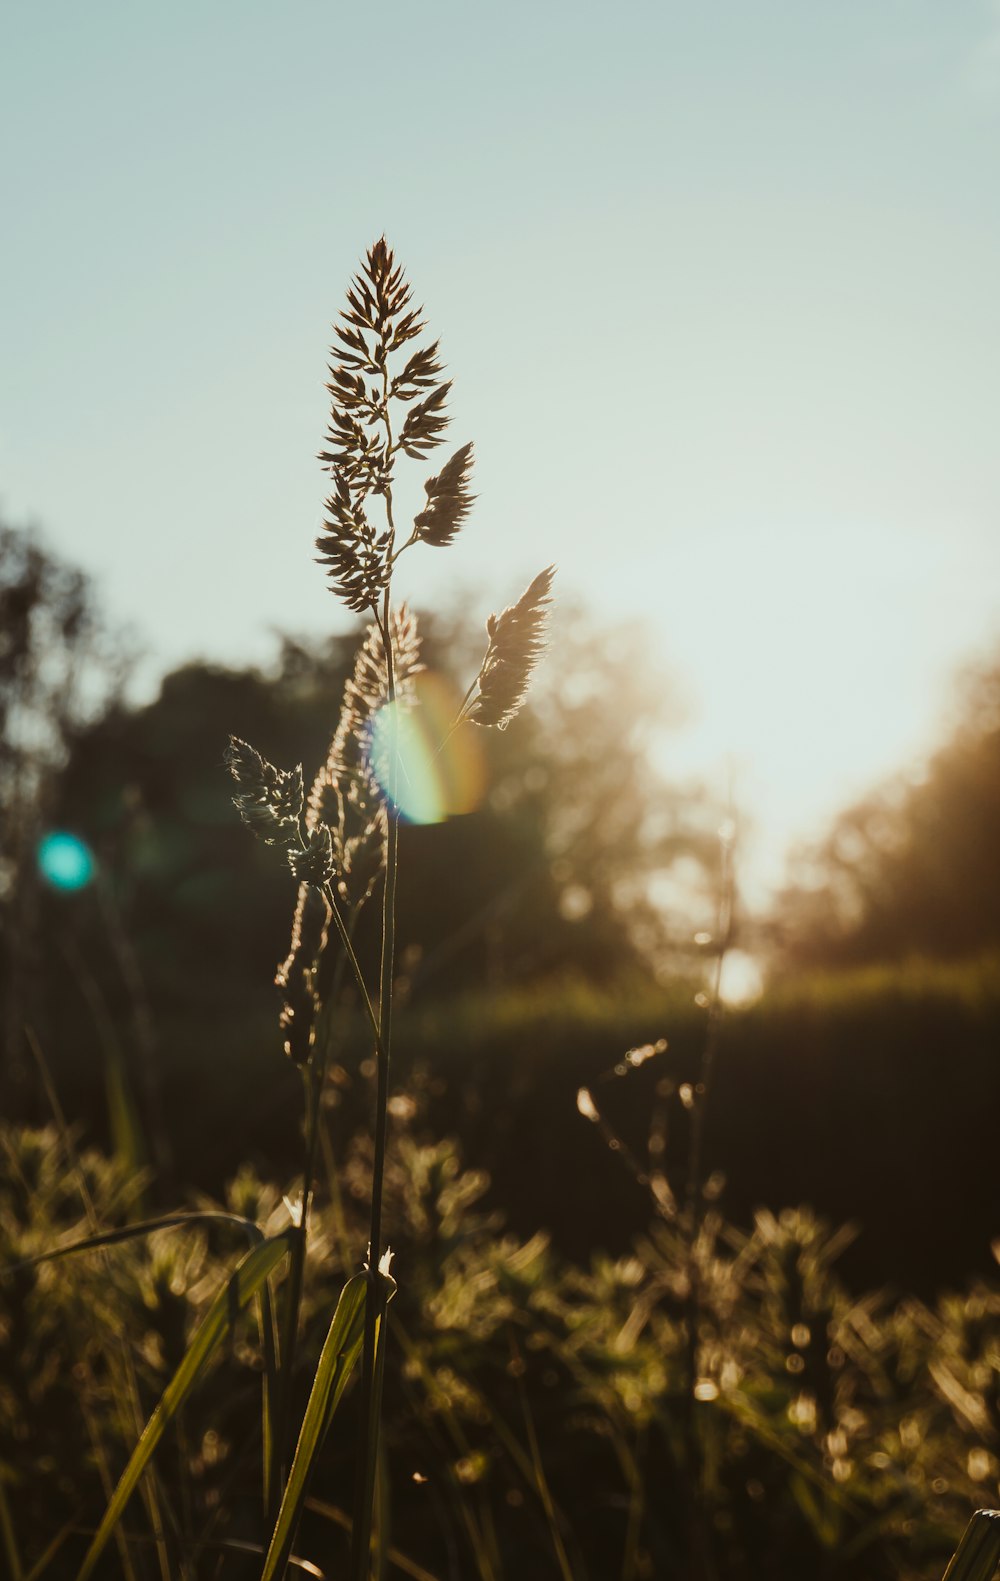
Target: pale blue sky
717 285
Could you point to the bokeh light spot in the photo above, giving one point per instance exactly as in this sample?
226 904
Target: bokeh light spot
441 773
65 861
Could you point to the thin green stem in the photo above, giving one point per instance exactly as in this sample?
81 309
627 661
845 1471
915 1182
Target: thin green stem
313 1076
356 972
703 1568
413 538
373 1364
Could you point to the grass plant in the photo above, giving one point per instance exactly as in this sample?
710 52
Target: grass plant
688 1408
389 401
340 842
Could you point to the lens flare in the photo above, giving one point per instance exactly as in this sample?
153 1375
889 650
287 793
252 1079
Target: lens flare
64 861
441 773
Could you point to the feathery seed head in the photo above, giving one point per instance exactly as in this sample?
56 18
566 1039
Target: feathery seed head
313 863
270 799
517 641
364 434
355 555
345 794
448 500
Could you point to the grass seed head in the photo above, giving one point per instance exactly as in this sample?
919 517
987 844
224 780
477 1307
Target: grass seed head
314 862
518 638
270 800
365 434
448 500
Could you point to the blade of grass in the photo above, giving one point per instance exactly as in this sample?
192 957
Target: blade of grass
124 1384
978 1554
123 1117
361 1538
479 1537
541 1480
10 1547
337 1359
314 1077
269 1395
248 1278
129 1232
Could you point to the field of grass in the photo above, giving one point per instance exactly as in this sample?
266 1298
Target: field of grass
536 1416
555 1282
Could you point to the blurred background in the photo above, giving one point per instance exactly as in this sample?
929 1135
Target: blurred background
717 290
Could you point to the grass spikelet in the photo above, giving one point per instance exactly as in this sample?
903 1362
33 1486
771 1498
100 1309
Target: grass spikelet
270 799
296 976
448 500
346 793
363 436
346 799
517 641
313 863
357 558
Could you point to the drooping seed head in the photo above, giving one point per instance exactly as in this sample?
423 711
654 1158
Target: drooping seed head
517 641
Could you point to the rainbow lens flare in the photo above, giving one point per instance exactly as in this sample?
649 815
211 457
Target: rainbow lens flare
65 861
441 773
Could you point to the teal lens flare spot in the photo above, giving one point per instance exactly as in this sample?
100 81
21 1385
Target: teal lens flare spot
440 770
417 792
64 861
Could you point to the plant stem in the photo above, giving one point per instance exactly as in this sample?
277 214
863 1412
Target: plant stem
313 1075
375 1305
373 1366
356 973
702 1566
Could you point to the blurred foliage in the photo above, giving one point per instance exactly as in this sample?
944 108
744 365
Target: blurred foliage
551 869
913 868
177 942
830 1434
57 669
572 1381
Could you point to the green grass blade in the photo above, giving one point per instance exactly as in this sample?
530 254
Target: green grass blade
339 1355
129 1232
361 1540
978 1554
269 1395
248 1278
127 1141
9 1542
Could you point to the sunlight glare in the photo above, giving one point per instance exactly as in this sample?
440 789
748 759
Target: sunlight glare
441 772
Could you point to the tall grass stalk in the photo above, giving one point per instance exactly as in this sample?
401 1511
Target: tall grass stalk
702 1560
344 837
339 841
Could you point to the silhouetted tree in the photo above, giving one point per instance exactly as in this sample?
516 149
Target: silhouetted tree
56 669
915 866
548 874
